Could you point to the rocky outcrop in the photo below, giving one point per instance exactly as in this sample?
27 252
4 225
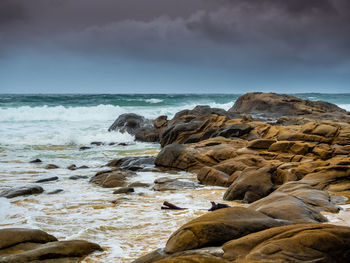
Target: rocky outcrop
20 245
19 191
272 104
215 228
294 243
133 163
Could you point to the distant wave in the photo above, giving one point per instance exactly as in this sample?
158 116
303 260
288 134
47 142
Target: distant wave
345 106
154 100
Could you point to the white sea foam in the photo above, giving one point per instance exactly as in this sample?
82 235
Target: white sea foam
345 106
154 100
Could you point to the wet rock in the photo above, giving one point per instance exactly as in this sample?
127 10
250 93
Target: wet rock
120 200
77 177
49 251
218 227
72 167
251 185
14 236
35 161
120 144
133 163
139 184
111 178
51 166
294 243
165 184
19 191
193 258
57 191
83 148
124 190
128 122
97 143
48 179
161 122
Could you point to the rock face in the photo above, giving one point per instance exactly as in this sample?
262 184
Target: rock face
19 245
111 178
294 243
280 105
19 191
142 128
217 227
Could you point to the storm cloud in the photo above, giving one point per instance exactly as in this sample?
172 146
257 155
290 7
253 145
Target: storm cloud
266 38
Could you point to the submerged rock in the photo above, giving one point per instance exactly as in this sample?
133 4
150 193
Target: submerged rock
77 177
19 191
51 166
124 190
165 184
111 178
48 179
35 161
55 192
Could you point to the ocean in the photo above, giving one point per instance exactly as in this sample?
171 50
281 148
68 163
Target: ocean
54 127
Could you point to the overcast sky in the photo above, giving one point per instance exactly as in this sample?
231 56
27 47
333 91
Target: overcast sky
172 46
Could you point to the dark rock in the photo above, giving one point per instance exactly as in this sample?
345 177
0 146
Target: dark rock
128 122
236 130
51 166
72 167
133 163
55 192
161 122
77 177
83 167
165 183
19 191
124 190
49 179
121 144
216 206
97 143
83 148
36 161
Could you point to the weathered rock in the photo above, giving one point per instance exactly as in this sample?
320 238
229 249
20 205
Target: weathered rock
51 166
193 259
13 236
251 185
124 190
48 179
217 227
231 131
19 191
211 176
111 178
139 184
133 163
128 122
261 143
294 243
165 183
278 105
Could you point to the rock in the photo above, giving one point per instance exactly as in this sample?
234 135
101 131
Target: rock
51 250
251 185
218 227
147 134
83 148
51 166
165 183
139 184
261 143
55 192
77 177
193 259
235 130
128 122
72 167
133 163
169 154
211 176
35 161
124 190
19 191
14 236
111 178
48 179
278 105
293 243
97 143
161 122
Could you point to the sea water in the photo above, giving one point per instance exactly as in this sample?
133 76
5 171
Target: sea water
54 127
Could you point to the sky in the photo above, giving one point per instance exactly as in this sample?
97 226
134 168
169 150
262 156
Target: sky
174 46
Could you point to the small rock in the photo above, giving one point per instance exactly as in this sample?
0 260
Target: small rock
72 167
164 184
119 200
97 143
83 167
55 191
123 144
77 177
83 148
49 179
35 161
138 184
19 191
124 190
51 166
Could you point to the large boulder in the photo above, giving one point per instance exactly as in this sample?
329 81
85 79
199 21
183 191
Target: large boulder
215 228
293 243
20 245
273 104
24 190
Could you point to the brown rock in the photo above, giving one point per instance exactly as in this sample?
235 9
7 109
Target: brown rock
261 143
111 178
